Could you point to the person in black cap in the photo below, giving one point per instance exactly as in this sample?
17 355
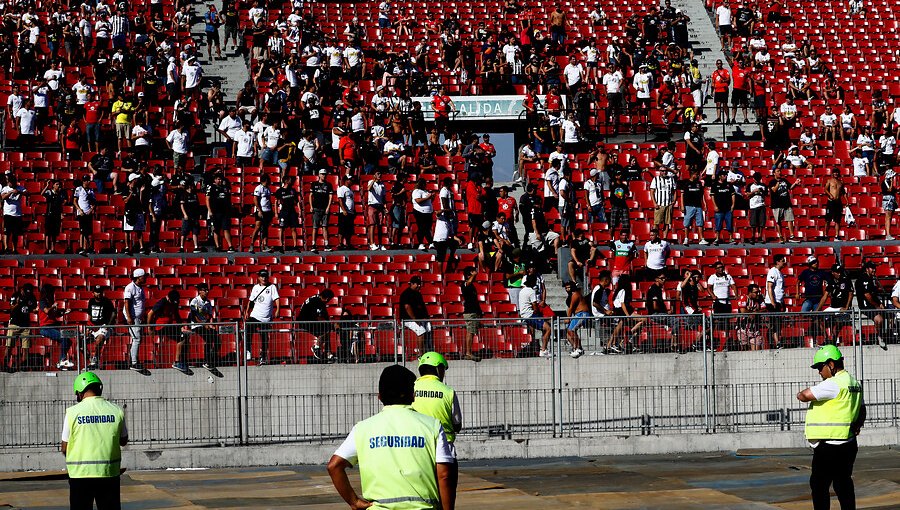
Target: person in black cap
201 316
414 315
262 308
868 290
101 314
313 316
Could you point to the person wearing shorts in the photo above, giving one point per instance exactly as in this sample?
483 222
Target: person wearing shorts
663 215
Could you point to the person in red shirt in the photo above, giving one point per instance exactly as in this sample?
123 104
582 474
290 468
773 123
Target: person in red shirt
720 80
93 116
740 94
487 160
531 104
442 105
507 205
758 86
554 110
474 206
71 141
348 153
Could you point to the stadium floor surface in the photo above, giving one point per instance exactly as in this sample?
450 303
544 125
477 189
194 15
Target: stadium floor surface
758 479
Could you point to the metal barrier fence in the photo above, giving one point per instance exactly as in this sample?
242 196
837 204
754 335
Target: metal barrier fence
647 375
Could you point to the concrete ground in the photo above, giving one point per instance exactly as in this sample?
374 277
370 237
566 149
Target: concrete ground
773 479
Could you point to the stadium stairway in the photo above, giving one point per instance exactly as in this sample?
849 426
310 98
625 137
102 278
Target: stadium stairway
708 49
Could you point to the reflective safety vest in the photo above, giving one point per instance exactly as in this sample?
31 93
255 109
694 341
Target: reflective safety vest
396 450
435 399
832 419
93 450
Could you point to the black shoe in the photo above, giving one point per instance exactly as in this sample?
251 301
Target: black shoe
262 361
317 352
137 366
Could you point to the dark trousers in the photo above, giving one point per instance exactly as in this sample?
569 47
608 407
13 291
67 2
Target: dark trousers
260 328
833 464
105 491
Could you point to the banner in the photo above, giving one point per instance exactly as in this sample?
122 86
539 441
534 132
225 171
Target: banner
480 107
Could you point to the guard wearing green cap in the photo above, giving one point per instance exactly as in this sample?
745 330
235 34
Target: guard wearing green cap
835 416
438 400
92 437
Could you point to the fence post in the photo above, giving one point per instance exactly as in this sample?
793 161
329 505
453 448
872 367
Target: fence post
242 386
399 342
707 334
559 378
859 365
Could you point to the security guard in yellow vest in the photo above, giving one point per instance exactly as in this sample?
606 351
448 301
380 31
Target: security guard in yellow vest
403 456
835 416
438 400
92 437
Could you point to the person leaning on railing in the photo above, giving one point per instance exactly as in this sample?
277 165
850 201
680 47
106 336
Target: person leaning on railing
201 317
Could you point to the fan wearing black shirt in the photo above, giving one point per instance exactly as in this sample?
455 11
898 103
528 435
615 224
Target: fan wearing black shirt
471 312
320 195
189 204
692 206
782 209
868 290
218 205
723 201
583 251
101 313
21 305
413 315
288 200
313 317
838 294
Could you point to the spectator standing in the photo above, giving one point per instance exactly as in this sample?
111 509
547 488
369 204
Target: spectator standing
814 281
202 315
398 219
721 79
444 238
376 201
423 211
775 294
474 199
579 311
346 212
414 315
724 199
28 118
692 204
756 195
189 206
868 297
889 190
178 140
263 214
593 191
12 195
56 199
551 184
623 253
720 288
528 310
262 308
288 201
663 188
583 252
507 205
83 202
133 310
749 325
623 309
619 194
472 312
321 194
834 202
656 251
21 305
102 315
782 207
212 21
219 209
135 214
49 314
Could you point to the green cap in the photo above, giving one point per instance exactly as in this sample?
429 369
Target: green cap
434 359
826 353
84 380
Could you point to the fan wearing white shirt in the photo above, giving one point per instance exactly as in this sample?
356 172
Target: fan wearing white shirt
262 201
774 298
613 80
573 74
178 142
643 84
